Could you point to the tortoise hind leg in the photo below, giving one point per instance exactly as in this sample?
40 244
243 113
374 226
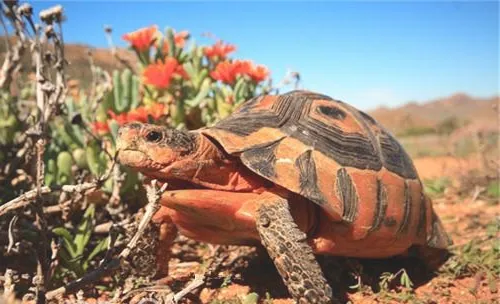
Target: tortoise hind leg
293 257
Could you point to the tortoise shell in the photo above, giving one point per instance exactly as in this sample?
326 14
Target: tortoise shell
337 157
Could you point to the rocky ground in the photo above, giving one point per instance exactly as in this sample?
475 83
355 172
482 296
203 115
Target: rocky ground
464 197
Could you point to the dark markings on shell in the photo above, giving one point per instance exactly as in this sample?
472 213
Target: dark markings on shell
422 217
310 95
346 193
249 104
262 159
434 238
347 149
308 178
405 222
290 114
367 117
380 207
394 157
390 221
438 237
332 112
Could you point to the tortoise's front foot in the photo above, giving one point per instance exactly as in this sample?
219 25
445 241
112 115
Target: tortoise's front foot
293 257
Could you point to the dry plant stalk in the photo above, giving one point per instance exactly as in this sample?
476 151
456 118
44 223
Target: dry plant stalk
14 52
50 96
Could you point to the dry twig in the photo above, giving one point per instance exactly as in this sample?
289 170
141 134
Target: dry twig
27 198
199 279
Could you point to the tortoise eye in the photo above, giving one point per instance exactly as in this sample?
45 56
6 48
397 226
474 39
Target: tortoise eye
154 136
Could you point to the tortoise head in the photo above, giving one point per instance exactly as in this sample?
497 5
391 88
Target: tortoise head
153 149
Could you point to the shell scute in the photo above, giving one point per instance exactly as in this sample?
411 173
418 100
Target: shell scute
336 156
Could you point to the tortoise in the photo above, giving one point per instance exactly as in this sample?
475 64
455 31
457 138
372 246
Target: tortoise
300 173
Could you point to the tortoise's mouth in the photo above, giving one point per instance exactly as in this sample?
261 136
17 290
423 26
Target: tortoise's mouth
133 158
140 161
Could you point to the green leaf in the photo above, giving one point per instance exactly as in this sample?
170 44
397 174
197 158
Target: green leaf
96 159
118 92
159 51
84 230
64 168
493 189
69 262
67 239
239 89
405 280
114 126
171 42
100 247
50 172
190 70
204 90
202 76
251 298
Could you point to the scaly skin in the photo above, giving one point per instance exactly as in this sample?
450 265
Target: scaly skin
293 257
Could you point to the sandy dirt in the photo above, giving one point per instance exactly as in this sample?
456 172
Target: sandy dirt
434 167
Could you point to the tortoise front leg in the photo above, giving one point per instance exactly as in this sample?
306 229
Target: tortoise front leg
293 257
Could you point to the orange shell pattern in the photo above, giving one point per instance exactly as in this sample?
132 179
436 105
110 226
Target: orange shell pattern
336 156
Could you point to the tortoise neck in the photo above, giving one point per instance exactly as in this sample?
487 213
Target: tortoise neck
211 167
207 150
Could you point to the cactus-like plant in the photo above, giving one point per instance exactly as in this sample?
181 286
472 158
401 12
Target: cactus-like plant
64 168
125 91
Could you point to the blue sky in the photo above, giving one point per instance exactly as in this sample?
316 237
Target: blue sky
365 53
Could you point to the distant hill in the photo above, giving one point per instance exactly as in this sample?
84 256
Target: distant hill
431 114
77 56
422 115
79 68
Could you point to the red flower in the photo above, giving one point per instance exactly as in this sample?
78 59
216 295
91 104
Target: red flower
143 38
218 50
120 118
161 73
157 110
139 114
228 71
258 73
100 127
179 41
180 38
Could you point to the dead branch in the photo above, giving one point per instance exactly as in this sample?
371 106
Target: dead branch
26 198
11 64
199 279
83 188
15 53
